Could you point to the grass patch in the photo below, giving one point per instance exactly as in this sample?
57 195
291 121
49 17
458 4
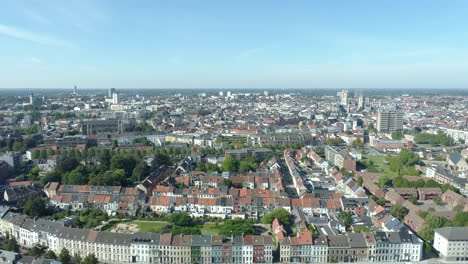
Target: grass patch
152 227
210 229
164 227
111 225
380 164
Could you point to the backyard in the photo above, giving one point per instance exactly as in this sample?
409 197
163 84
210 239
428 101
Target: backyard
156 227
378 164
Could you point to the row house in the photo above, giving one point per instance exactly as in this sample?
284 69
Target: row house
444 176
373 189
350 188
217 207
195 192
319 161
148 248
406 193
111 204
351 247
340 158
453 198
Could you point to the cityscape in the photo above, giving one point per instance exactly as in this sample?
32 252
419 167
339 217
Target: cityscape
222 132
228 177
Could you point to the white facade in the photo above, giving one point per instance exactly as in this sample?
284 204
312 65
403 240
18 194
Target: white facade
452 243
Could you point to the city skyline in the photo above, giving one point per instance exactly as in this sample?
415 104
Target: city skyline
210 44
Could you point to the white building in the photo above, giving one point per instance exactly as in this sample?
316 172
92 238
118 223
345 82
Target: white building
452 243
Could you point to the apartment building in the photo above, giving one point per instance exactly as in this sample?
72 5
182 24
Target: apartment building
389 120
111 247
452 243
340 158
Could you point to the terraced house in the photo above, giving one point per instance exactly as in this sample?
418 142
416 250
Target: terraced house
111 247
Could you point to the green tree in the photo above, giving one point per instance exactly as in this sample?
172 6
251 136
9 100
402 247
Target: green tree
11 245
141 171
333 141
186 230
64 256
284 217
461 219
123 161
431 222
413 200
432 139
230 164
159 160
76 259
398 211
35 207
383 181
34 174
403 163
357 144
346 217
248 164
77 176
37 250
397 135
36 154
67 165
381 201
237 227
90 259
51 177
227 183
360 180
50 255
437 200
180 219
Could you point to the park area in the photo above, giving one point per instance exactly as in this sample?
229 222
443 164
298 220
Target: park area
378 164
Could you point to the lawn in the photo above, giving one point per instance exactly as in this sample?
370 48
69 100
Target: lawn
151 226
380 163
162 227
111 225
210 229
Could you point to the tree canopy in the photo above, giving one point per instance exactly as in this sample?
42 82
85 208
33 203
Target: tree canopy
403 163
399 211
434 140
237 227
284 217
35 207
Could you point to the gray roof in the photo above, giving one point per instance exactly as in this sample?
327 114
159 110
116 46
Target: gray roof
146 237
8 256
338 241
453 233
357 240
201 240
455 157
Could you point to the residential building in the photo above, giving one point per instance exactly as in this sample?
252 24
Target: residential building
452 243
389 120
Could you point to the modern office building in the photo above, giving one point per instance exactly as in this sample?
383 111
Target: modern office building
92 127
111 92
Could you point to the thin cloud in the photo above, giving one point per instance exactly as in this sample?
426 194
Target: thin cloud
33 37
35 60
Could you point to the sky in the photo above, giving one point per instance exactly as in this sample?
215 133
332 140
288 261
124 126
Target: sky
234 44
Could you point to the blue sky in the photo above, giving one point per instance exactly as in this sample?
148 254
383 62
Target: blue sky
229 44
